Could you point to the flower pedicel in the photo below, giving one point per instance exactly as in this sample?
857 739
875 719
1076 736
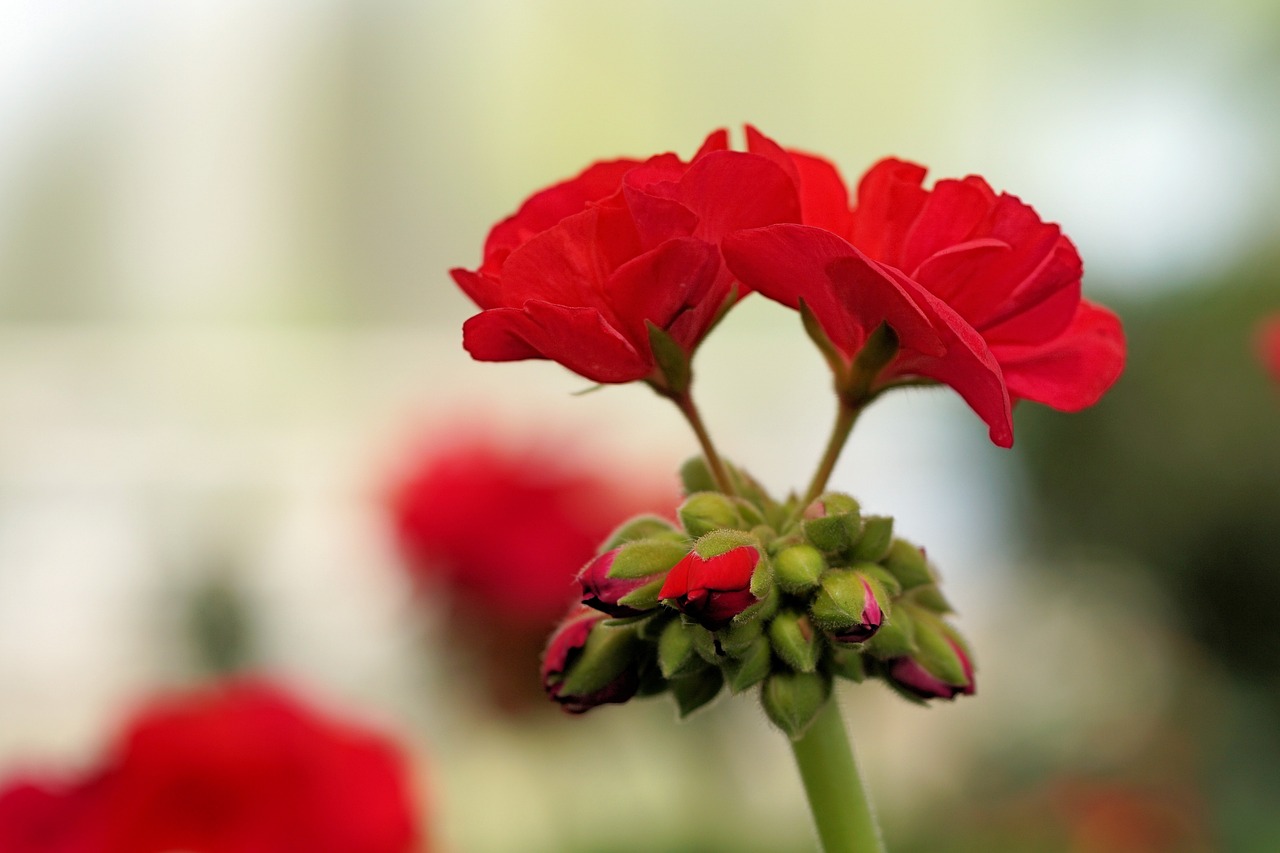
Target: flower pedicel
619 273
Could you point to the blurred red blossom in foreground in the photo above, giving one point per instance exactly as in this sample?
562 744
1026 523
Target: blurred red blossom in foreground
237 768
501 533
1268 343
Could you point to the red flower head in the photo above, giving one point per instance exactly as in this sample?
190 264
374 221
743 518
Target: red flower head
980 293
1269 345
713 590
583 268
237 769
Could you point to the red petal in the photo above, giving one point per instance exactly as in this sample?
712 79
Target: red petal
485 291
849 295
1072 371
949 216
729 571
660 285
677 582
889 200
578 338
730 190
824 198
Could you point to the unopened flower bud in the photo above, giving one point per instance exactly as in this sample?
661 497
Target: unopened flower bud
646 558
873 544
798 568
703 512
793 699
640 527
751 665
795 641
850 604
676 653
907 563
610 595
940 668
696 689
713 589
847 663
588 664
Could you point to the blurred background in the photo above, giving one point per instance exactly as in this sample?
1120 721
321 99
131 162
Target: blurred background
227 337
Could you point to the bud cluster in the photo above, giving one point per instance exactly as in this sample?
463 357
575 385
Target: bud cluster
749 592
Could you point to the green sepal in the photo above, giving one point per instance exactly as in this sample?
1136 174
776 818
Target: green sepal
934 653
930 598
676 653
795 641
671 359
798 568
831 533
640 527
749 668
697 689
607 652
907 563
645 597
873 544
649 626
719 542
846 663
896 637
838 503
792 699
834 358
706 644
646 557
889 583
765 607
738 636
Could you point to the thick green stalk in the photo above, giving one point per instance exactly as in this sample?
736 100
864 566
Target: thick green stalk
841 810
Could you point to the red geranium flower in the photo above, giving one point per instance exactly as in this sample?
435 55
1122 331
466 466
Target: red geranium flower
1269 345
982 295
237 769
583 268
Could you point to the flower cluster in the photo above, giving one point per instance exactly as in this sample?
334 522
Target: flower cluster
620 272
748 591
242 767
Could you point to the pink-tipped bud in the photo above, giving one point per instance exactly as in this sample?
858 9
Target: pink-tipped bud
712 590
848 605
587 664
911 676
605 593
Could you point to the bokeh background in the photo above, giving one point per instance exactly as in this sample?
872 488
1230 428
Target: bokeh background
226 328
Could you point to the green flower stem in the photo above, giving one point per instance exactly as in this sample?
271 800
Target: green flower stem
839 804
684 402
846 417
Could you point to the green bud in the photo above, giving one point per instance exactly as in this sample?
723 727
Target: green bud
640 527
887 580
896 637
676 654
696 476
645 557
770 598
739 636
907 563
877 534
606 654
671 358
797 569
795 640
844 601
703 512
847 663
749 668
706 644
696 689
830 533
793 699
838 503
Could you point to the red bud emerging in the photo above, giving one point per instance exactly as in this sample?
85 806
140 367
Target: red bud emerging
712 590
870 622
581 672
915 679
603 592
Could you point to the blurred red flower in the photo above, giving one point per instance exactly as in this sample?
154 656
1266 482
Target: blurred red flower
1268 341
581 269
982 294
502 533
238 768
